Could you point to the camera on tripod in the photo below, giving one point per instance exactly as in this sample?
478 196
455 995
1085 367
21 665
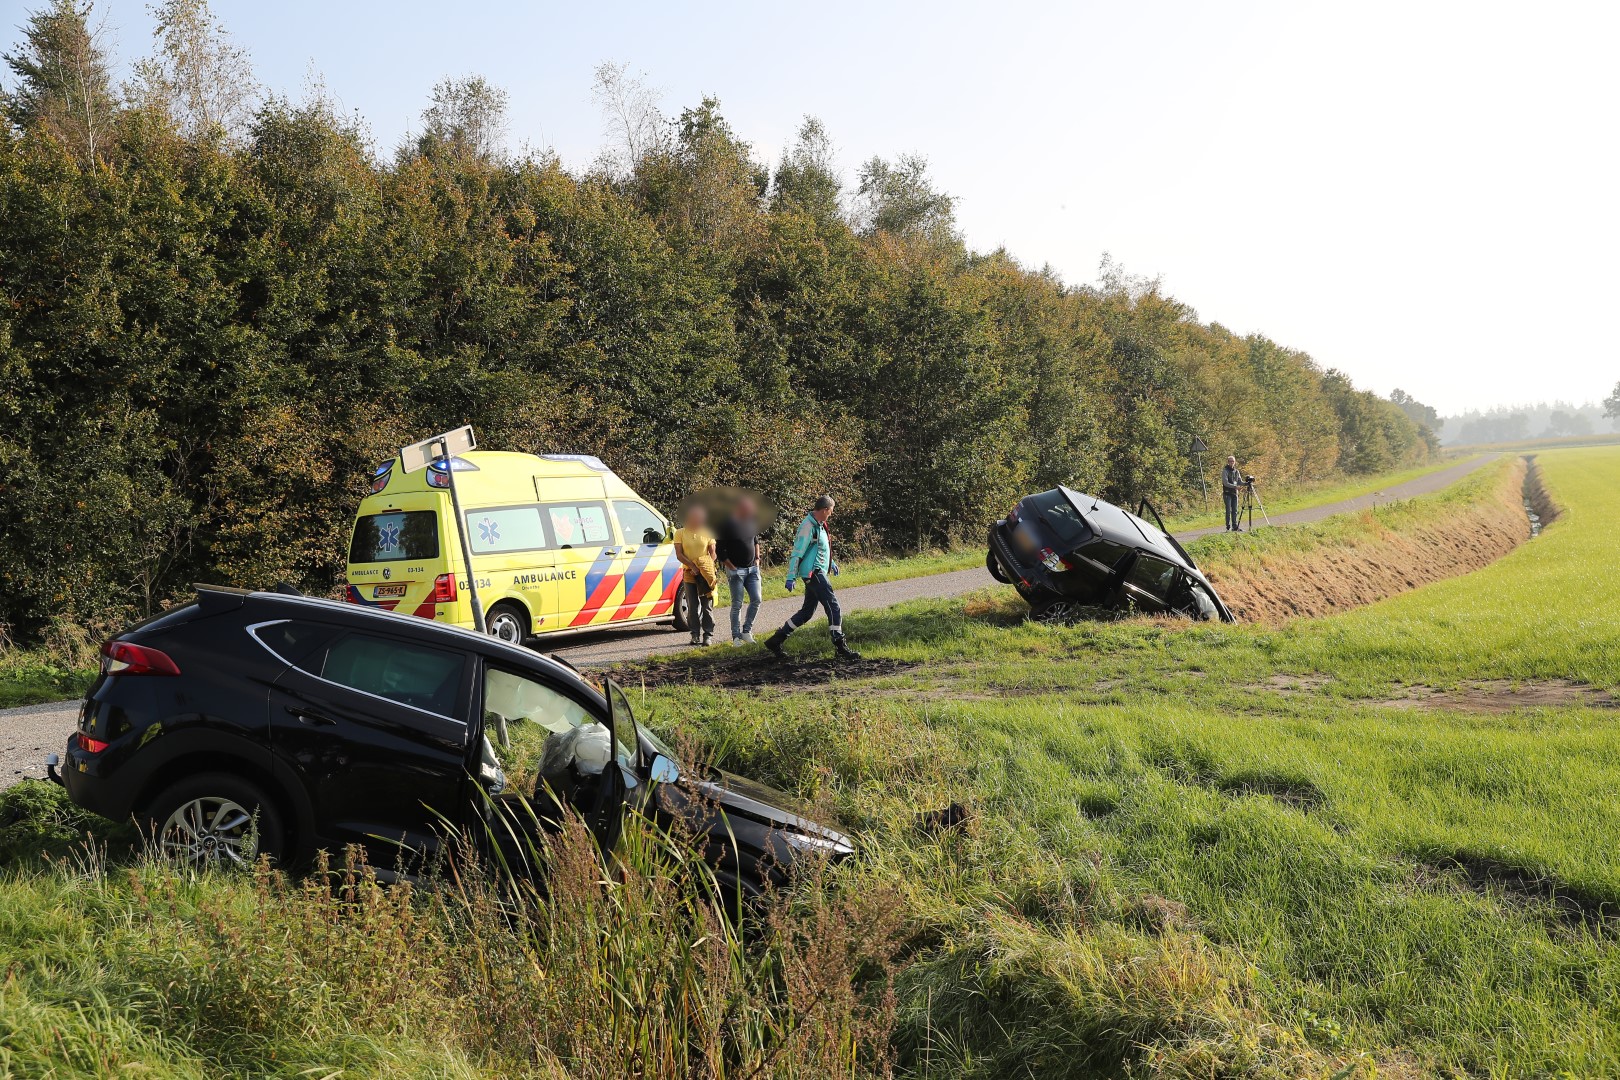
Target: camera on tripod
1248 480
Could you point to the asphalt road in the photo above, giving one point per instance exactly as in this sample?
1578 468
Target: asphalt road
29 733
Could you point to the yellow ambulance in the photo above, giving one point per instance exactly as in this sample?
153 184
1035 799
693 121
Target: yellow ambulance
558 543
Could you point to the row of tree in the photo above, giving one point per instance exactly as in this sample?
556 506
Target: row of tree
1542 420
219 312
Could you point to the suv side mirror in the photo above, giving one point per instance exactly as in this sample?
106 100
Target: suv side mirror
663 771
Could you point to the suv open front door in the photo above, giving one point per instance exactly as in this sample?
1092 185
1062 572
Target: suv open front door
536 725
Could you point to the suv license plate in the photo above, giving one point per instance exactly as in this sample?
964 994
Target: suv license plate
388 590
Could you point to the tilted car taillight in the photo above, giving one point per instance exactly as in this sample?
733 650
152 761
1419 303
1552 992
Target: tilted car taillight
94 746
127 658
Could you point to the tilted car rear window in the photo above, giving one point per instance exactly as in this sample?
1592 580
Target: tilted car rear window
1106 552
1060 516
397 534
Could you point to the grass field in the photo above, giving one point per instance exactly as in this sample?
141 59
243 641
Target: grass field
1342 836
1380 844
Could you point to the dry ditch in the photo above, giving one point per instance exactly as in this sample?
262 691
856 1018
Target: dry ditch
1385 562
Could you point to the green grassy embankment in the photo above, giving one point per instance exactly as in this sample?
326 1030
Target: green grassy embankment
1374 844
1347 560
1381 838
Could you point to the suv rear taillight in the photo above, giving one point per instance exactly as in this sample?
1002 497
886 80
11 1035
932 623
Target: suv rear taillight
1055 562
126 658
94 746
444 589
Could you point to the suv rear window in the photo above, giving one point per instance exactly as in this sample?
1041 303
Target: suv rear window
1060 516
423 678
398 534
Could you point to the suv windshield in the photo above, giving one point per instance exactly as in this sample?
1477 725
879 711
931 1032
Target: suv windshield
1060 515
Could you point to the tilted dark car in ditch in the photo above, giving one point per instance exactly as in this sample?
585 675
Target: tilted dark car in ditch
1065 552
249 721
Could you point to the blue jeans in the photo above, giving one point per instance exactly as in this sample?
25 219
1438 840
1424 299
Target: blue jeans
744 579
1230 497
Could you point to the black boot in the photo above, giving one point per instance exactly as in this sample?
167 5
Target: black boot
773 644
841 647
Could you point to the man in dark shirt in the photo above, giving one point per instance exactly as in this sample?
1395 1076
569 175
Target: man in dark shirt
738 541
1231 483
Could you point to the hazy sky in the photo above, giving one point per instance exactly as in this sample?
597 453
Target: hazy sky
1422 194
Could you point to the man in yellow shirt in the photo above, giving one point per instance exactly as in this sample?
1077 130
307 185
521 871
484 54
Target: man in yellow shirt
695 548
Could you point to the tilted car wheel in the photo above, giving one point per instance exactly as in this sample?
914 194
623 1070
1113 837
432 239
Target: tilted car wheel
507 622
993 564
1057 613
215 819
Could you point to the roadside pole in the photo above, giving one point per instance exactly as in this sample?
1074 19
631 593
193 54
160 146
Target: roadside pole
1199 447
444 448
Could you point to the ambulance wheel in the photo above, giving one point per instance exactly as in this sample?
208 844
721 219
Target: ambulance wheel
508 622
683 617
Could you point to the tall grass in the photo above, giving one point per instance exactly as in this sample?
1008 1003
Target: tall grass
627 972
1189 851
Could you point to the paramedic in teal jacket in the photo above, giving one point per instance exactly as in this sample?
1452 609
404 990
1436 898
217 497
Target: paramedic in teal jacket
812 560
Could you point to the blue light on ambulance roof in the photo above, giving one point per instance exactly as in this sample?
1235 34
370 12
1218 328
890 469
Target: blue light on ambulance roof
460 464
588 460
379 478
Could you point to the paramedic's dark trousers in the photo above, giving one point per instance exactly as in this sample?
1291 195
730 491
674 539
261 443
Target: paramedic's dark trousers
818 590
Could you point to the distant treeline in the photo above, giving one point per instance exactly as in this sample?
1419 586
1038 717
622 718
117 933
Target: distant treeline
1512 423
220 311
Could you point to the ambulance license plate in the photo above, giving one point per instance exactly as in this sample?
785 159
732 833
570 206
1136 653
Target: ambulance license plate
388 590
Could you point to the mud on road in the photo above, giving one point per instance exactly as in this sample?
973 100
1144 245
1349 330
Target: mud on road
757 671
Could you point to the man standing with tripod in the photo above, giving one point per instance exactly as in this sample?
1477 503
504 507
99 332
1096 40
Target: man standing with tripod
1231 484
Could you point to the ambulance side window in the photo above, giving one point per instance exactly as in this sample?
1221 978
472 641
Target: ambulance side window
639 525
506 528
579 525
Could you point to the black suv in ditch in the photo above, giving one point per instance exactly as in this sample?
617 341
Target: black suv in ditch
1066 552
297 724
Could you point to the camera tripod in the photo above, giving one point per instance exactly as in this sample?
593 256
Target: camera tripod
1251 499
